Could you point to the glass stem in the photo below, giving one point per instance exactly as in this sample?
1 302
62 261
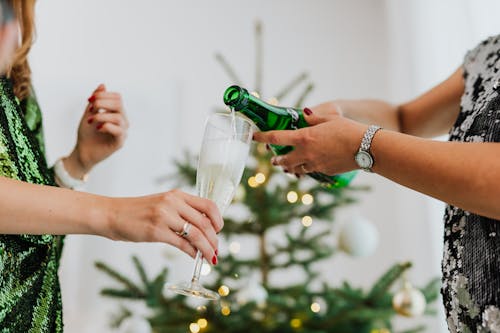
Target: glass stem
198 262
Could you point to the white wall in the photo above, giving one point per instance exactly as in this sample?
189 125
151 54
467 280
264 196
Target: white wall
160 54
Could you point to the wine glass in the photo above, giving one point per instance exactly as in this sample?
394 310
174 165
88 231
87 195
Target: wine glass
224 151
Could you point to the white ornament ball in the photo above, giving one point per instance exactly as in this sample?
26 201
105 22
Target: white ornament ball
409 302
135 324
253 292
358 237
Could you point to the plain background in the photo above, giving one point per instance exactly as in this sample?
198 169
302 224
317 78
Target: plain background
160 55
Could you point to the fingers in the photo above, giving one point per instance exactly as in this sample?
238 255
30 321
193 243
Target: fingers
312 118
108 101
117 119
282 138
291 162
170 237
208 208
202 223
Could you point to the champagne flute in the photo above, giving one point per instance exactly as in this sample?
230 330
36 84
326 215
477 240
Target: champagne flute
224 151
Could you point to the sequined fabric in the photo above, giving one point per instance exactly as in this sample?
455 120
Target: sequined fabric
30 298
471 261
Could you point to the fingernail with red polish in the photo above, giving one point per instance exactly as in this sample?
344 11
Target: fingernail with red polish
216 252
99 126
90 120
91 99
214 260
308 111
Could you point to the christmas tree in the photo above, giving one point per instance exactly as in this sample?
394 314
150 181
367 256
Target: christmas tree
268 201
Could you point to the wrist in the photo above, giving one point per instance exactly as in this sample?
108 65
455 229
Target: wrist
101 217
76 164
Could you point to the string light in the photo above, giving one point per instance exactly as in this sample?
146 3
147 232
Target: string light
296 323
223 290
201 308
252 182
234 247
292 197
202 322
315 307
194 327
307 221
205 269
307 199
260 178
226 311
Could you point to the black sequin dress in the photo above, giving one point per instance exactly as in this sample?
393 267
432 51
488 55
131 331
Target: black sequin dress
471 260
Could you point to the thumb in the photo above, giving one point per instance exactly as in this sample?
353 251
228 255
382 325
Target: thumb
100 87
311 118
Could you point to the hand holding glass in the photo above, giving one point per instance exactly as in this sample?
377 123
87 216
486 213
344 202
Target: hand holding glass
224 151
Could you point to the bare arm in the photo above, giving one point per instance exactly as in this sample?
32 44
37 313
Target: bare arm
37 209
429 115
463 174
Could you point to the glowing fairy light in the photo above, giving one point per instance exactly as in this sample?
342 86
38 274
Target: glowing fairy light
194 328
203 323
260 178
307 199
315 307
307 221
292 197
252 182
223 290
226 311
296 323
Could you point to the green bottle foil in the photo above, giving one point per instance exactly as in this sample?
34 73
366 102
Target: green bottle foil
270 117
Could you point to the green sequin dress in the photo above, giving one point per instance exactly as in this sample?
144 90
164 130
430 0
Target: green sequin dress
30 297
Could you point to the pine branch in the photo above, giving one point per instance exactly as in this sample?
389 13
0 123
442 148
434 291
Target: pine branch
122 293
290 86
386 281
258 57
141 271
132 287
227 68
303 96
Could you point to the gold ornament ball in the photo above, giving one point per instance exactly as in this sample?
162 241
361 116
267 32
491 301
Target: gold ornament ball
409 302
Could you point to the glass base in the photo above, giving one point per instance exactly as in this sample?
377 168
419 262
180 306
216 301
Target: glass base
194 289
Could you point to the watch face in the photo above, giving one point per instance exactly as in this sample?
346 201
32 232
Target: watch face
364 159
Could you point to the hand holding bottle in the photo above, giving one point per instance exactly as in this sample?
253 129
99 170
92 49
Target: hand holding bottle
328 145
270 117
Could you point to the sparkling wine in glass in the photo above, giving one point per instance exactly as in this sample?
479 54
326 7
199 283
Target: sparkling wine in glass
224 151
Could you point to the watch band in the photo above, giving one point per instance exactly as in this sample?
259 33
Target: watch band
366 142
365 146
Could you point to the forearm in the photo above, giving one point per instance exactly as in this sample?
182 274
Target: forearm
466 175
371 111
36 209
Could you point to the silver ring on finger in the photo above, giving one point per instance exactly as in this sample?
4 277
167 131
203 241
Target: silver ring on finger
185 230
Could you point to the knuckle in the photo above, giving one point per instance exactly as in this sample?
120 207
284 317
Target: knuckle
195 235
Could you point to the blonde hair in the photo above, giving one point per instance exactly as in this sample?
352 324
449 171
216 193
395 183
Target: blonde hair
20 71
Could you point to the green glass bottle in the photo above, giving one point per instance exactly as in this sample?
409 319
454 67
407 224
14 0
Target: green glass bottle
270 117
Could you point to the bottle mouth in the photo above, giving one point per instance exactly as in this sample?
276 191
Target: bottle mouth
234 97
